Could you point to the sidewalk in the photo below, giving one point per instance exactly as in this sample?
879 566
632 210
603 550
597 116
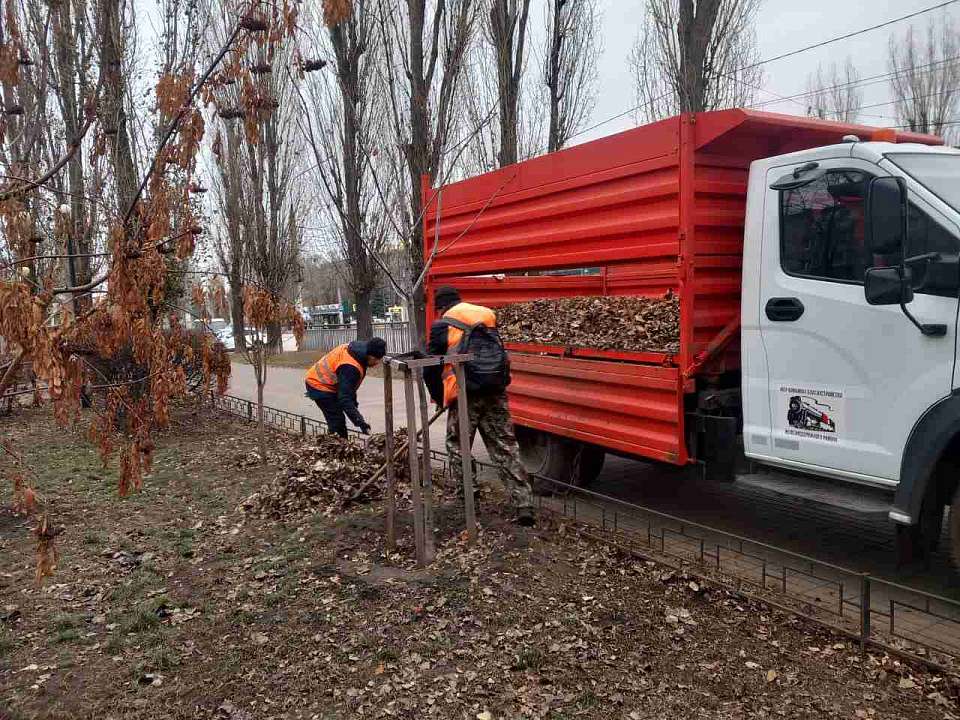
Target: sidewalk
285 391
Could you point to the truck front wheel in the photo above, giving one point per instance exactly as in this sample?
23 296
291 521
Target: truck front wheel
917 543
955 529
551 456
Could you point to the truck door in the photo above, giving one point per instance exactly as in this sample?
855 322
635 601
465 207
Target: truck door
846 380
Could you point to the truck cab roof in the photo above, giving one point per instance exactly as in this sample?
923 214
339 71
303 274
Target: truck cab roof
871 151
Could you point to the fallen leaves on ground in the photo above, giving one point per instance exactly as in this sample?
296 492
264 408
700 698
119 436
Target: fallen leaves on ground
328 475
172 604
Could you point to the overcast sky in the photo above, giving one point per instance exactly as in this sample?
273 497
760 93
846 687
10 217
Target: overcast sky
782 25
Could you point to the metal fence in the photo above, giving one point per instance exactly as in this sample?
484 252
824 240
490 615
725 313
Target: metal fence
873 611
327 337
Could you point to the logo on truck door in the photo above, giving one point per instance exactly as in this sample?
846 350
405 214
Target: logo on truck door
811 413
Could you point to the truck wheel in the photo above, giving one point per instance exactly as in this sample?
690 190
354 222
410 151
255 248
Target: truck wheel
955 529
918 542
555 457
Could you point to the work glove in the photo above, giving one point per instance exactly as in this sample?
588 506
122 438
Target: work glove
364 429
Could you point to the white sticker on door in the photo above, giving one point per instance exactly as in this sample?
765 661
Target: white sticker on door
814 413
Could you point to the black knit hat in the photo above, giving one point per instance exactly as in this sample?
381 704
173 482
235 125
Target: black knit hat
445 296
376 347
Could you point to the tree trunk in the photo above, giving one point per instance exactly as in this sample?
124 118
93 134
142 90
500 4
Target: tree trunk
508 30
275 337
554 141
111 64
262 429
236 312
77 238
694 30
348 49
364 317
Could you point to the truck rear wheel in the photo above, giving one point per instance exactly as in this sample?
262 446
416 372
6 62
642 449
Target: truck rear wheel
558 458
955 529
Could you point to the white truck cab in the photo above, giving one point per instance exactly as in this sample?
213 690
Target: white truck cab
849 322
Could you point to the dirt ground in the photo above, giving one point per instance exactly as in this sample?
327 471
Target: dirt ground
173 604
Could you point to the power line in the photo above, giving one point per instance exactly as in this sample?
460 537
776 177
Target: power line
792 53
861 82
847 36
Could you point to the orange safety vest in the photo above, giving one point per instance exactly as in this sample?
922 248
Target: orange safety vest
322 375
469 315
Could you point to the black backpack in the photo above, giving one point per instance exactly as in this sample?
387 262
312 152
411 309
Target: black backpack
489 370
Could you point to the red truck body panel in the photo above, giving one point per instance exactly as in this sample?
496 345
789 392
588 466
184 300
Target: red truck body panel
657 209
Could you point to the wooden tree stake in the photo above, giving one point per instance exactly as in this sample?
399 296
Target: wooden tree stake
466 458
391 499
428 531
416 495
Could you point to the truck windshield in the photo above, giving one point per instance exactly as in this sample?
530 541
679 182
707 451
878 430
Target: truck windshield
940 173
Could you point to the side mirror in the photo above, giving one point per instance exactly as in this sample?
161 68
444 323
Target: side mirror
888 286
886 215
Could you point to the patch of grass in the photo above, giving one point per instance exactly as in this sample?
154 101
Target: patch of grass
7 643
161 657
93 537
68 635
185 542
244 617
65 621
295 551
530 659
588 699
388 655
138 621
114 644
8 713
139 582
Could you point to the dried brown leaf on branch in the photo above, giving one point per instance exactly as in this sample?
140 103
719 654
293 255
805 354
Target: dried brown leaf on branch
336 11
633 324
24 497
173 92
218 295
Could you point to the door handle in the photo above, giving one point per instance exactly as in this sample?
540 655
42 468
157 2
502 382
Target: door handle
784 309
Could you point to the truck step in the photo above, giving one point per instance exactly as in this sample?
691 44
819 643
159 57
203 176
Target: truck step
854 498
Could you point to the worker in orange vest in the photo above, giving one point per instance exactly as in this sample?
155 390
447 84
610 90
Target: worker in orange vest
471 328
333 380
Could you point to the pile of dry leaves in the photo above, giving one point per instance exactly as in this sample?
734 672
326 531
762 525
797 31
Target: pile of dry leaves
326 476
605 323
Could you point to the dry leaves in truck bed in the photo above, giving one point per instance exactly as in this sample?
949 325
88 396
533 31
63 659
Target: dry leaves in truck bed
323 477
639 324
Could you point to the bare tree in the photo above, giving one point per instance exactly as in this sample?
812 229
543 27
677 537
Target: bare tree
341 121
695 56
427 43
111 38
835 94
573 50
257 154
507 35
232 239
925 80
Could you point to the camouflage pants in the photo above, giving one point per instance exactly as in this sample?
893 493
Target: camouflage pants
491 416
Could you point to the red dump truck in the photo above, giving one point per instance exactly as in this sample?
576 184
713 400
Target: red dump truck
816 266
